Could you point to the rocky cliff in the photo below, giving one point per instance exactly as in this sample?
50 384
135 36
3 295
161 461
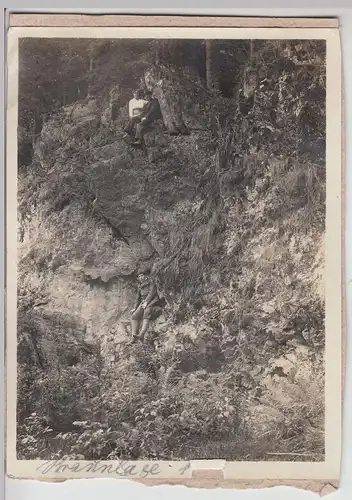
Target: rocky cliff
231 219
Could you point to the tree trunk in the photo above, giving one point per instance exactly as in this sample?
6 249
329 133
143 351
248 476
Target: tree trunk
90 73
169 100
157 53
250 76
92 55
251 50
211 63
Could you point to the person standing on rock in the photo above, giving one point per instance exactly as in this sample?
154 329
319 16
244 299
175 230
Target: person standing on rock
135 110
147 301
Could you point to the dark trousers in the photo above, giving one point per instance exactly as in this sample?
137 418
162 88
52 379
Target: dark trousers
132 122
142 128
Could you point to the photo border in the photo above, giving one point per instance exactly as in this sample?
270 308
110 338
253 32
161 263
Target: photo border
204 470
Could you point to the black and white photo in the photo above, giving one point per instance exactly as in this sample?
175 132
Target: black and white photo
171 249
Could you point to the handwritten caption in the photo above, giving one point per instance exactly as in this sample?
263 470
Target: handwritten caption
120 468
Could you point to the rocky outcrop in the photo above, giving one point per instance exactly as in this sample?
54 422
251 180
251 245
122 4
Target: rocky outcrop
241 271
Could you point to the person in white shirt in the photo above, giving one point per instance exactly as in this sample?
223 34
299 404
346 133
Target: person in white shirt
135 110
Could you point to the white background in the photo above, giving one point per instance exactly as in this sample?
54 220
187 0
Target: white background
105 489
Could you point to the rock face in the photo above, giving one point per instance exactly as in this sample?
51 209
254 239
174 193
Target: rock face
240 269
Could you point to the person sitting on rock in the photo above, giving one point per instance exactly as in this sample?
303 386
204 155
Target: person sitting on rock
136 107
147 300
150 114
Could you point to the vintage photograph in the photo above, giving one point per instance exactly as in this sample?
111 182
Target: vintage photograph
171 208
